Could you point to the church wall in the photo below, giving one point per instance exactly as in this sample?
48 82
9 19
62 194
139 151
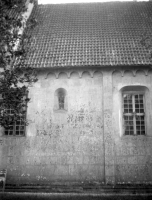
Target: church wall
60 145
84 142
133 154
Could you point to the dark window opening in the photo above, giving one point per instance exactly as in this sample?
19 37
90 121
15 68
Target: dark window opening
61 99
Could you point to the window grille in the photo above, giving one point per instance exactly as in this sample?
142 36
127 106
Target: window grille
134 115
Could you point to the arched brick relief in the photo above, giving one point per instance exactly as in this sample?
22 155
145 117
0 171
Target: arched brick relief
50 76
146 71
116 77
62 75
128 73
74 75
86 74
41 75
41 79
150 71
80 74
68 74
117 73
140 73
97 74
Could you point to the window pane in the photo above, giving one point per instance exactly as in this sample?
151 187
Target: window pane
142 132
140 125
17 132
139 103
22 133
10 132
17 122
128 107
22 122
127 132
128 125
6 132
20 126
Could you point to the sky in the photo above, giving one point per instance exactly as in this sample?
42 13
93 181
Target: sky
76 1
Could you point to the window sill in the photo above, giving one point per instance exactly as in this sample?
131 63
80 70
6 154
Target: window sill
14 136
133 136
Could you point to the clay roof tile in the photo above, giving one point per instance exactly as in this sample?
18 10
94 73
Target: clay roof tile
93 34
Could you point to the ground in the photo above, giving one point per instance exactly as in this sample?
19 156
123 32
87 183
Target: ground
72 196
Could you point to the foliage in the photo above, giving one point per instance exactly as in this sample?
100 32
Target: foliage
15 77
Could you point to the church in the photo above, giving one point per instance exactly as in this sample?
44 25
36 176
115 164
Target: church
90 112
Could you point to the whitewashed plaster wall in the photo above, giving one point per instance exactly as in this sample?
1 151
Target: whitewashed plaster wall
59 145
133 158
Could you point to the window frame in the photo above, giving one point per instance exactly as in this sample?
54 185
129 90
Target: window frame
134 113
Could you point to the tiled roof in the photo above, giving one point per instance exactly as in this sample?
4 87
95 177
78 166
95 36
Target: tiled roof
91 34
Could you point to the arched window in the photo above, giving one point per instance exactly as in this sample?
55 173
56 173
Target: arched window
60 99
